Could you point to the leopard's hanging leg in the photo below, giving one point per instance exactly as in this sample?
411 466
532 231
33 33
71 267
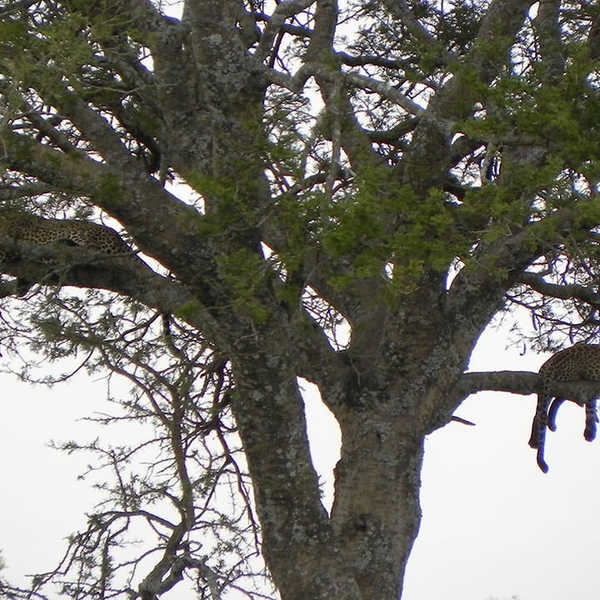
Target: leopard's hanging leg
538 430
591 418
552 412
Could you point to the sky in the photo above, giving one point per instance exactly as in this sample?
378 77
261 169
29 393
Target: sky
494 526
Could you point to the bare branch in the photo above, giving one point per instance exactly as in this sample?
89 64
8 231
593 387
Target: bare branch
564 291
284 11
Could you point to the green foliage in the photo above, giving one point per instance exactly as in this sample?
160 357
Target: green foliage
108 190
189 310
300 220
384 222
497 206
563 116
64 44
217 189
285 121
12 33
431 236
246 274
354 228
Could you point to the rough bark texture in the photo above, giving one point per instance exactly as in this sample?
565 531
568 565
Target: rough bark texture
204 113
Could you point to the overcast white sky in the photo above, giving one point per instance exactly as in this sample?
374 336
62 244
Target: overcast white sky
493 525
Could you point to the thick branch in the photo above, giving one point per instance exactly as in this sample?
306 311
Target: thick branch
94 126
401 10
344 127
570 291
125 275
157 220
145 22
393 95
519 382
427 160
515 382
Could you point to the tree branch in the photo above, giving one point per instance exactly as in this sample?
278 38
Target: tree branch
427 158
284 11
125 275
514 382
566 291
156 219
520 382
548 27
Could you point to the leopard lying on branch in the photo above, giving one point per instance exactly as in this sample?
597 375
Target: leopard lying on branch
24 227
579 363
17 226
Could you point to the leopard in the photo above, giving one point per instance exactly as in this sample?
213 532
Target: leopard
21 226
25 227
578 363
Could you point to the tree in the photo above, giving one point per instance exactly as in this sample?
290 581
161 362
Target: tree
402 171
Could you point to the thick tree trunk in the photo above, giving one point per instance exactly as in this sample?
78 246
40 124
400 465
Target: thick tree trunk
376 512
387 392
361 551
298 544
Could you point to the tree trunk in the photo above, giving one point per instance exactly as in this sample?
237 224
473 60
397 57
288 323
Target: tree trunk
376 513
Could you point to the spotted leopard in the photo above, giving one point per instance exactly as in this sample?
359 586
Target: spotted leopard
24 227
20 226
578 363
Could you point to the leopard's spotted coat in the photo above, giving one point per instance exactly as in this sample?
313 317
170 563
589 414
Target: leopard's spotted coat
578 363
